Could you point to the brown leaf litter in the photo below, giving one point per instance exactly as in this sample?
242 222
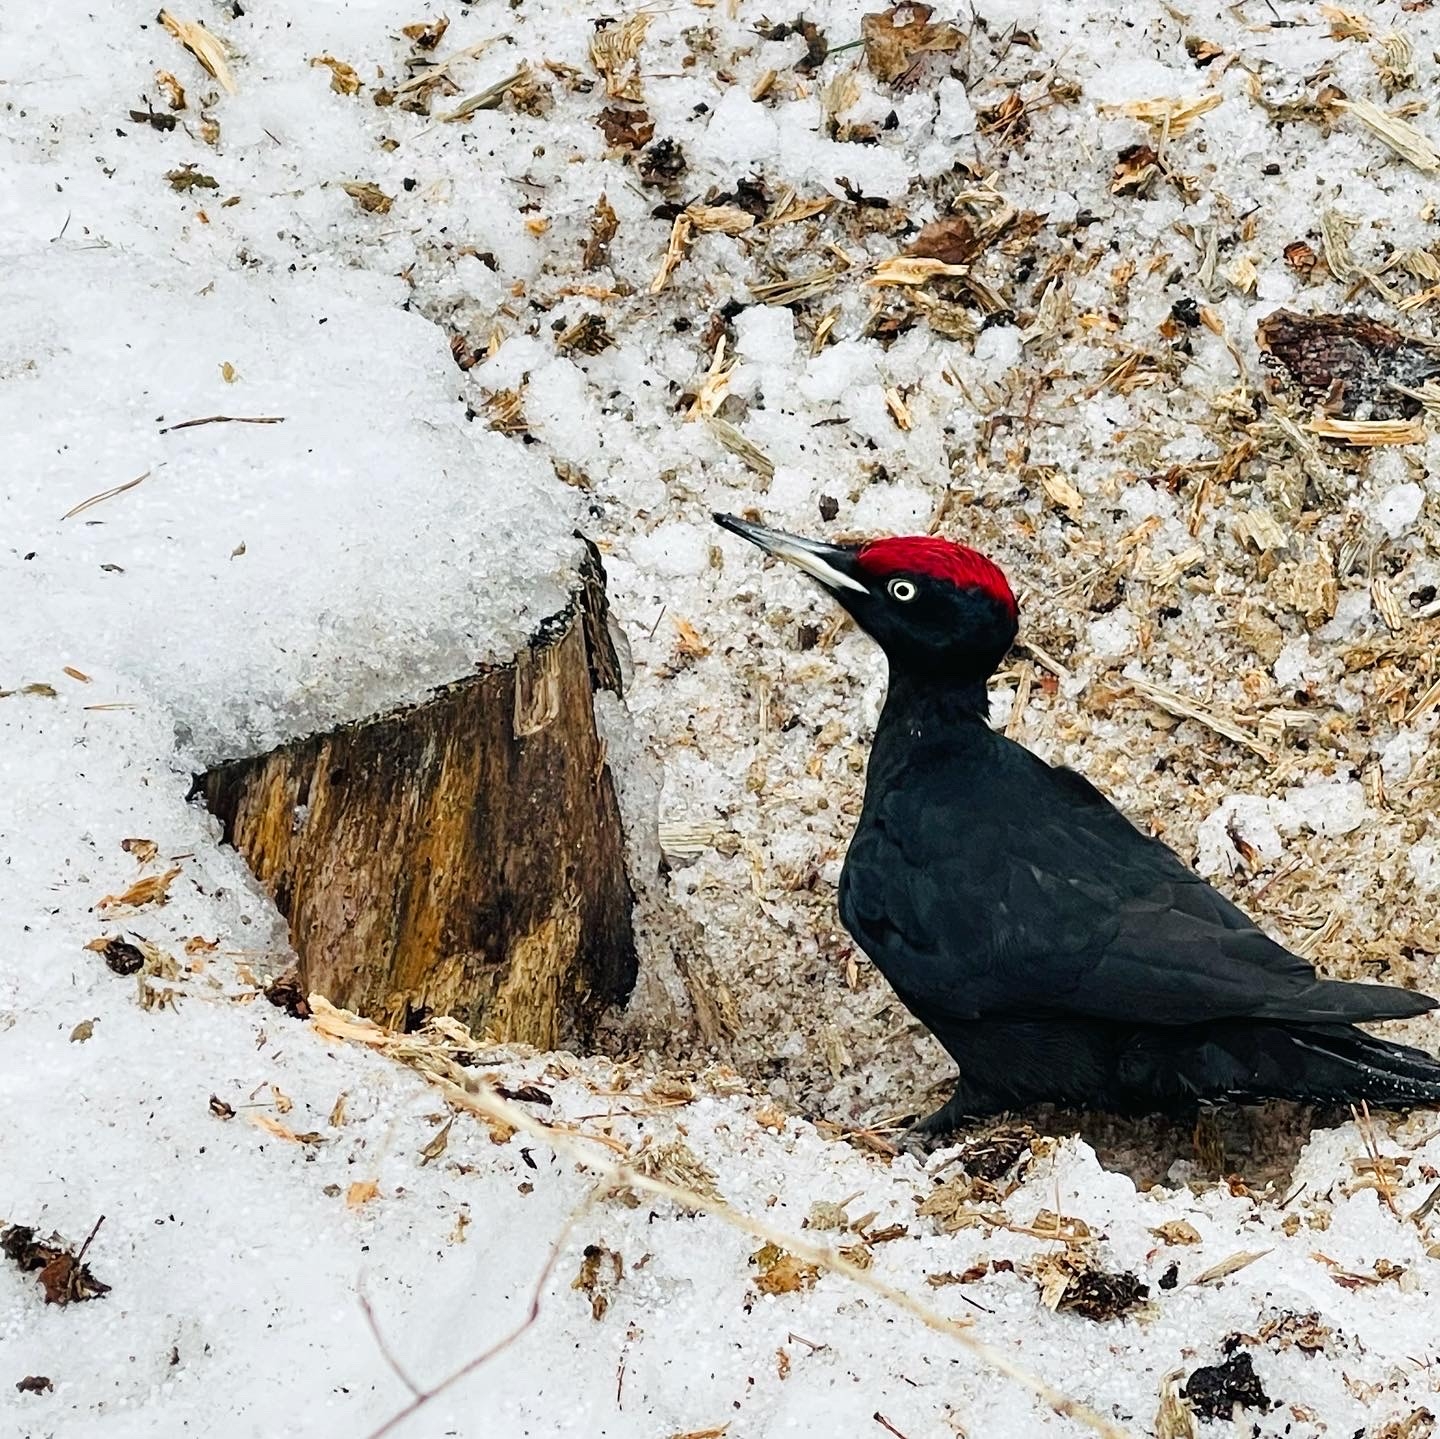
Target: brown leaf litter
601 1271
120 956
152 889
897 40
1347 363
781 1272
59 1267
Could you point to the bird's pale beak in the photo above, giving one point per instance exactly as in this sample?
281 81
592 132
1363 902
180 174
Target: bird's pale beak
832 565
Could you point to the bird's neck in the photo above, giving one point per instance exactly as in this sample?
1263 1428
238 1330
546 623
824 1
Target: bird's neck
931 703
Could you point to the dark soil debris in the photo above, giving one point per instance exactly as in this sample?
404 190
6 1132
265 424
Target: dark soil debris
996 1154
1094 1294
286 992
120 955
663 164
1215 1389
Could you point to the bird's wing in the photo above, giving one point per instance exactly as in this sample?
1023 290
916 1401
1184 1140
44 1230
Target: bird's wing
1044 899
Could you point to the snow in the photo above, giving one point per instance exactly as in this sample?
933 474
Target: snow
271 579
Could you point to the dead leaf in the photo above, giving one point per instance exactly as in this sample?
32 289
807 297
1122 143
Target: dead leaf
1176 1231
204 46
187 177
82 1031
626 128
343 78
615 53
144 850
369 196
951 240
152 889
437 1146
603 225
1232 1265
687 638
120 955
427 34
60 1269
361 1193
286 992
894 40
220 1109
601 1271
781 1272
1136 169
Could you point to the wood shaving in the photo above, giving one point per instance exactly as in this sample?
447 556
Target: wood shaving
205 47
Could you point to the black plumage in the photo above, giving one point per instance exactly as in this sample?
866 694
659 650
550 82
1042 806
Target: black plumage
1056 951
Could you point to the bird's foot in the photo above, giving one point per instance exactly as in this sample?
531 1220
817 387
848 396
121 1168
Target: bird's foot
928 1134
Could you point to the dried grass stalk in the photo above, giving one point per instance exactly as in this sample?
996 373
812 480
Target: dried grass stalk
1166 113
1364 433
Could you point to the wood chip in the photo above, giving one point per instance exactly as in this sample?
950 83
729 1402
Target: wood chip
1400 135
369 196
205 47
751 454
1169 115
1183 708
343 78
724 219
674 252
912 270
153 889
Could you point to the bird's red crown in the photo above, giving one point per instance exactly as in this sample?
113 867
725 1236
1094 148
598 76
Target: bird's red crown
941 559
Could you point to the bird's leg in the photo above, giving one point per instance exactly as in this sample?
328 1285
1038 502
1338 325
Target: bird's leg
951 1115
1208 1142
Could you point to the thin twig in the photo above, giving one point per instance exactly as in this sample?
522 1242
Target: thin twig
532 1313
225 420
104 495
88 1238
385 1351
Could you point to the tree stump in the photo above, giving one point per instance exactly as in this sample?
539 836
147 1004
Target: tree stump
463 856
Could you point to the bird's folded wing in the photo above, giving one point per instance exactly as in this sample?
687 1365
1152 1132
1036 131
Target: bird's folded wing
1067 909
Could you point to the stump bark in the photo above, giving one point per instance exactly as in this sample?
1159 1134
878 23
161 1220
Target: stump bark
463 856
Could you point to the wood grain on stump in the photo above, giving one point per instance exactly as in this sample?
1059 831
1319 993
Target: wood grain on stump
463 856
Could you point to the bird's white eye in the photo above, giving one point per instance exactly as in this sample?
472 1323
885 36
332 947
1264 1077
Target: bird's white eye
901 590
